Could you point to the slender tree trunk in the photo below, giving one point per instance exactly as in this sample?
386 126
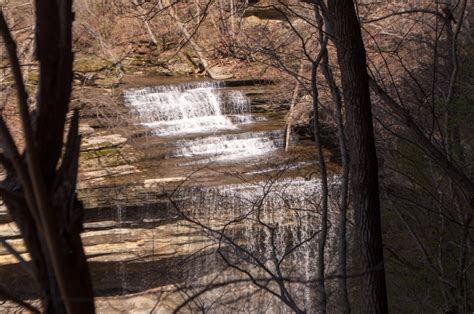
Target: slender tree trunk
343 203
363 159
322 302
290 117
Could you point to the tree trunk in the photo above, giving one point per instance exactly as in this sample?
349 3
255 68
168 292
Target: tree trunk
42 198
343 204
363 159
321 284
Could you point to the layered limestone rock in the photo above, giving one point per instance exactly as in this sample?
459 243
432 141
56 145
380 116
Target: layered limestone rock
160 206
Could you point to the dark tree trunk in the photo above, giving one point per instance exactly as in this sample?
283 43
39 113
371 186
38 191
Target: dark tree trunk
55 56
40 189
363 159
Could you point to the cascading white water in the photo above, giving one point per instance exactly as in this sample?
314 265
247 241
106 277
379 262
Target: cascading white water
188 108
230 147
202 107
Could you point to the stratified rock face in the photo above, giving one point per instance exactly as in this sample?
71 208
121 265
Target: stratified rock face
192 192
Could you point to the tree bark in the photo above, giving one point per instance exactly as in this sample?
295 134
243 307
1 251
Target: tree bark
364 186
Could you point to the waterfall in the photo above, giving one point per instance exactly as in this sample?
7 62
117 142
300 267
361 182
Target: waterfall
200 107
265 215
276 221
